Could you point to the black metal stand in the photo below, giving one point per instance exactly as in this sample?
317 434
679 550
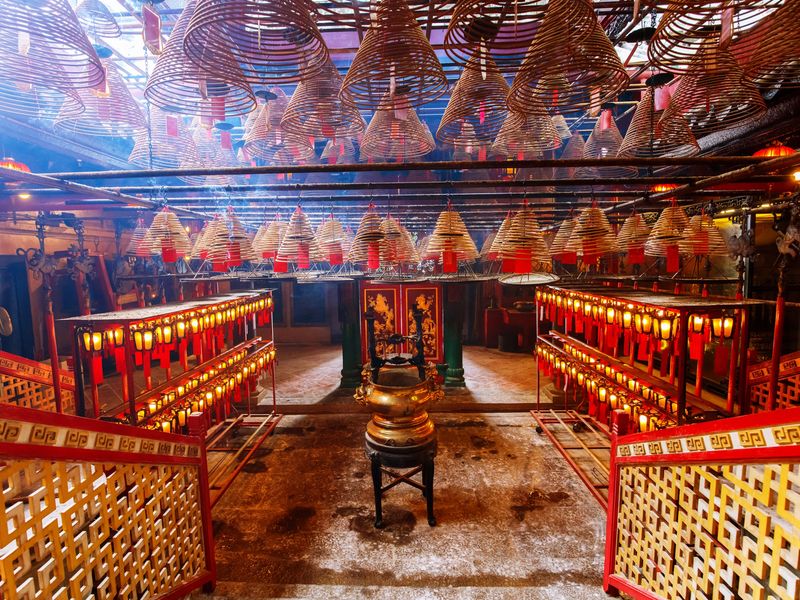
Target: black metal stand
419 459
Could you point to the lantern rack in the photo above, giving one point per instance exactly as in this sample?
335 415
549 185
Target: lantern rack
621 330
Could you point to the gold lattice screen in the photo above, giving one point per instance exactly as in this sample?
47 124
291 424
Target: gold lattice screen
29 384
97 510
788 393
708 511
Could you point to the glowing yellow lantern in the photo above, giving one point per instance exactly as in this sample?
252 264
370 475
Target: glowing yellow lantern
722 327
92 341
143 339
643 322
114 337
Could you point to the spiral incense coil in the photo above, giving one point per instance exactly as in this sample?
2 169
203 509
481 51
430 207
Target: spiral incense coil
574 149
633 233
42 43
560 123
772 48
267 139
200 244
559 245
339 151
500 237
217 244
273 41
685 29
450 234
139 245
486 247
479 29
168 139
649 135
110 112
267 244
167 234
319 108
571 65
179 85
38 101
525 135
702 237
478 100
395 64
593 235
524 241
366 243
397 134
667 232
422 247
207 152
396 245
330 236
714 94
240 246
604 142
299 245
96 19
347 242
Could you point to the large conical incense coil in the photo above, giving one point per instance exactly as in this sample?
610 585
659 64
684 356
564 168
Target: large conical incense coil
209 153
38 101
685 29
108 112
486 247
263 134
168 238
395 62
774 61
500 237
339 151
524 135
347 242
318 109
330 236
397 134
450 241
649 135
240 247
702 238
604 142
139 245
201 242
524 249
217 241
479 29
168 140
633 233
571 65
179 85
422 247
299 245
667 232
366 244
267 244
42 43
574 149
559 247
478 99
560 123
593 235
273 42
396 245
96 19
714 94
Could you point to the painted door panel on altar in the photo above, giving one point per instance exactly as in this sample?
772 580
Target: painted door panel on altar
394 305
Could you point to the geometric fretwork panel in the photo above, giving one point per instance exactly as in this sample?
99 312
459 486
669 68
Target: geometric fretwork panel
710 531
32 394
788 395
79 530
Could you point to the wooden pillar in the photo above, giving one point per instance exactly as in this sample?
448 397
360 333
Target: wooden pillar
682 358
350 320
453 324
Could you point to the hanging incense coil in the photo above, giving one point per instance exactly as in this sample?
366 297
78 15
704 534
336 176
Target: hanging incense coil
169 140
201 241
38 101
97 20
702 237
179 85
559 247
267 139
500 237
574 149
395 64
479 29
478 100
450 235
526 135
207 152
633 233
299 245
486 247
649 135
571 65
42 43
273 42
139 245
266 244
347 242
366 243
524 245
769 52
686 29
604 142
110 112
396 246
330 236
537 173
422 247
167 237
217 244
240 247
593 235
339 151
714 94
397 134
319 108
560 123
666 232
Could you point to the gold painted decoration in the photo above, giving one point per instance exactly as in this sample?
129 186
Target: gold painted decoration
523 247
593 235
650 135
701 237
299 245
397 134
395 65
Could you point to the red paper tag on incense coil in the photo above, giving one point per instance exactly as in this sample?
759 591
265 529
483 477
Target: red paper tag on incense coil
636 255
522 264
449 262
268 254
335 258
302 255
234 255
280 266
373 255
508 265
219 266
168 252
673 259
568 258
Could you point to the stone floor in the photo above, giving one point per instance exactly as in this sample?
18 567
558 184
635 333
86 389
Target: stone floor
514 520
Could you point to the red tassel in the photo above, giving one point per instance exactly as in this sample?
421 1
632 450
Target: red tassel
182 354
172 126
137 359
578 322
146 361
722 358
119 359
696 345
673 259
643 347
449 262
165 358
280 266
97 368
303 258
373 256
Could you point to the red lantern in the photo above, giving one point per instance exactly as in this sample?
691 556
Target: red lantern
14 165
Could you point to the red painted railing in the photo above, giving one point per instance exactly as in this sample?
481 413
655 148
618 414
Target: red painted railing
707 510
788 392
27 383
95 509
